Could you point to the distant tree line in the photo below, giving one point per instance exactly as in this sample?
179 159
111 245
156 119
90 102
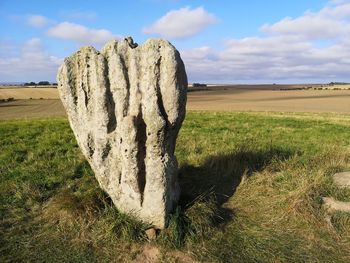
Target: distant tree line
40 83
199 85
338 83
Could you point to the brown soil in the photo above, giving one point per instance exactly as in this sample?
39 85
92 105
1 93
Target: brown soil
149 254
152 254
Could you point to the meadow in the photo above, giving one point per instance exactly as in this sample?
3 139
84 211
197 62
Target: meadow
251 192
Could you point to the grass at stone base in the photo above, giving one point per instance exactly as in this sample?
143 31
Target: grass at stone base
251 192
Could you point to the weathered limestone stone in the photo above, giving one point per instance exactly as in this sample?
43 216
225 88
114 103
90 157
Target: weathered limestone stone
342 179
125 106
334 205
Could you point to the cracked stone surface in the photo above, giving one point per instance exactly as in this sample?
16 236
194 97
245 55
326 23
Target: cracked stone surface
342 179
334 205
125 105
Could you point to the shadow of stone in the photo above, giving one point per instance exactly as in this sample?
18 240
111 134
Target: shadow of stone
203 187
220 175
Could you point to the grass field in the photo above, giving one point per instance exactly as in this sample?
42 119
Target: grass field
251 192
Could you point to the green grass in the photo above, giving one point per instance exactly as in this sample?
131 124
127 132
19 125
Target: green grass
251 192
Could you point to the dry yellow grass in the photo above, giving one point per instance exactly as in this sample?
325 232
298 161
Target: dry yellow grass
23 109
27 93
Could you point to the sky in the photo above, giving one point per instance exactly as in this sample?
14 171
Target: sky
237 41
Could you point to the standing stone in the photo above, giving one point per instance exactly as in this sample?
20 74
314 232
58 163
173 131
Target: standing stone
125 106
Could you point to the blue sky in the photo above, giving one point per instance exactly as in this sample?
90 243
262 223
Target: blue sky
234 41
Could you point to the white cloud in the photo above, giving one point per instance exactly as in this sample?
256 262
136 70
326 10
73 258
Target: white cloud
38 21
181 23
272 59
329 22
314 47
309 27
32 63
80 33
199 53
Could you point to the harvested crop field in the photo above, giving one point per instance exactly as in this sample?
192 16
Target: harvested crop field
23 109
270 98
27 93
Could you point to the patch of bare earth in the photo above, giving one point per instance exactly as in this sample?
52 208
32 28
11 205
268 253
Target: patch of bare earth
149 254
152 254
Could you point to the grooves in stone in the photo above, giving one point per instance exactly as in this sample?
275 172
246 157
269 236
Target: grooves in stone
160 97
127 80
106 151
86 97
110 104
90 145
71 80
86 88
141 138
